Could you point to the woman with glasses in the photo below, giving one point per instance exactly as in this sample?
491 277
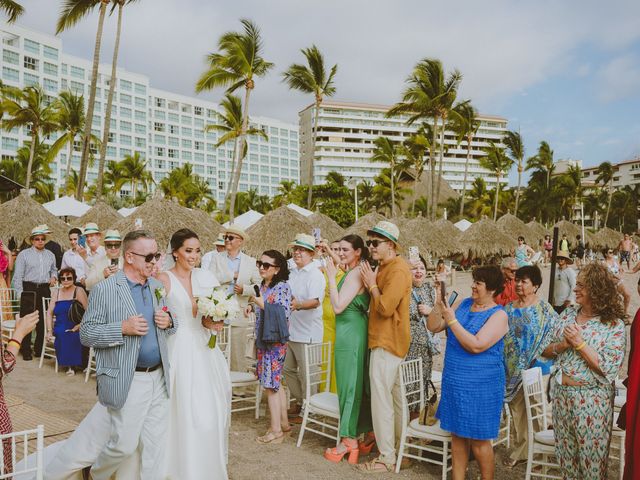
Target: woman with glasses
613 266
588 346
64 333
531 323
274 301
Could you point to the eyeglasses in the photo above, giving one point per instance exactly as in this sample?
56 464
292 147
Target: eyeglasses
610 252
264 265
230 238
375 243
149 257
39 239
66 279
112 245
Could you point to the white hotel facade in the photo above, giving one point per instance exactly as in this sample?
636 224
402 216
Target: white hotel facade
346 132
166 128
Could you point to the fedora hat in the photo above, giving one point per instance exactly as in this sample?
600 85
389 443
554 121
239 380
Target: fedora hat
305 241
38 230
236 231
565 256
112 236
386 230
90 228
219 240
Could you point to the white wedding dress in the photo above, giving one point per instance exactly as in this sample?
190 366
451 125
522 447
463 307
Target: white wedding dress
200 401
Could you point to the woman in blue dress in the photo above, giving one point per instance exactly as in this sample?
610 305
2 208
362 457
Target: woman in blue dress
473 379
64 332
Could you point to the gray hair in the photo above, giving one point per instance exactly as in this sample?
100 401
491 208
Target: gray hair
506 262
131 237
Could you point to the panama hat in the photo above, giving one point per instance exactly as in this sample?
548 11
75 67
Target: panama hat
90 228
112 236
219 240
39 230
564 255
236 231
46 228
386 230
305 241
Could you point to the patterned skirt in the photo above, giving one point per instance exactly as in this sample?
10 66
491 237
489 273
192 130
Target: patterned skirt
269 365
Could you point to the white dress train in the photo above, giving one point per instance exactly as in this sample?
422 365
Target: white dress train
200 399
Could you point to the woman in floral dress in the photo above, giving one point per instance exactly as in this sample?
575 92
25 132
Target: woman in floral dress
588 346
275 294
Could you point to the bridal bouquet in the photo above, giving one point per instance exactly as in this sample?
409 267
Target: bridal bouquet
218 306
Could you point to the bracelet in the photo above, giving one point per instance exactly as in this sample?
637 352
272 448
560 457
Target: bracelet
15 341
452 323
372 287
581 346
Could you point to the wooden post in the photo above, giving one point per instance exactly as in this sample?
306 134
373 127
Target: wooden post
552 274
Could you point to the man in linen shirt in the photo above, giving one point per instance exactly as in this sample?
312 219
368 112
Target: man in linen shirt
72 257
305 323
565 282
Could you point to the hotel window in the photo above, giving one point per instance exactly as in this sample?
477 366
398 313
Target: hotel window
158 127
10 74
173 117
50 68
30 80
77 87
141 142
211 113
50 85
125 126
142 116
174 142
50 52
9 143
211 147
125 112
77 72
125 139
161 139
186 155
185 108
141 102
141 89
174 129
173 106
141 129
31 46
10 57
187 132
199 134
160 163
126 99
198 157
125 85
172 153
197 111
198 145
30 63
112 137
186 120
186 143
160 115
125 152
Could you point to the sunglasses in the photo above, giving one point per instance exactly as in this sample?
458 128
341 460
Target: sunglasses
39 239
375 243
149 257
230 238
66 279
264 265
112 245
610 252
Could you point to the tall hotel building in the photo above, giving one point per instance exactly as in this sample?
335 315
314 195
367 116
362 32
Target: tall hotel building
166 128
346 132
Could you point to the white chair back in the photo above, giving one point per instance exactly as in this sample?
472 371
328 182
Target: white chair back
411 387
535 401
318 366
21 444
10 303
223 341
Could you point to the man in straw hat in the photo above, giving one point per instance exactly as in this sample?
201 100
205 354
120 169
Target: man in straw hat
305 323
238 272
34 273
109 264
565 282
389 336
207 258
94 250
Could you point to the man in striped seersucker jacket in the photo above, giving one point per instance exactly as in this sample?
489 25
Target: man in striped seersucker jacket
127 326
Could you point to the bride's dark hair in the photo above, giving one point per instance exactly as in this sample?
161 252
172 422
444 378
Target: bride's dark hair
281 263
181 236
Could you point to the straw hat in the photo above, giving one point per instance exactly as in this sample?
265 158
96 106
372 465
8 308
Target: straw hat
387 230
39 230
90 228
112 236
219 240
46 228
236 231
564 255
305 241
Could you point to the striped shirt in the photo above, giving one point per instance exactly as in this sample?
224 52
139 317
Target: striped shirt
33 265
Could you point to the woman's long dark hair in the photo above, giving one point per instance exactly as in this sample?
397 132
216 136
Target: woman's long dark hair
281 263
357 243
179 237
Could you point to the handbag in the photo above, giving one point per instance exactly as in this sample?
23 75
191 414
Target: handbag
428 412
76 310
250 351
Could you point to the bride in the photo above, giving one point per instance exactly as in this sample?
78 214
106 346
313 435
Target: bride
200 402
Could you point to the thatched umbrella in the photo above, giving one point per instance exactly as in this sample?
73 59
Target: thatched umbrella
606 238
329 228
568 228
102 214
514 227
430 239
275 231
164 217
538 231
364 223
20 215
446 229
485 239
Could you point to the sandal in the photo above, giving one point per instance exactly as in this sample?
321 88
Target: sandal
367 444
270 437
375 466
511 463
334 455
70 372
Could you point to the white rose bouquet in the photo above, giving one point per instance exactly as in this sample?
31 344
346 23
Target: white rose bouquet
218 306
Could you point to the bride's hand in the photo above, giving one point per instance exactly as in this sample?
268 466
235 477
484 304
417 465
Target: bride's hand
208 323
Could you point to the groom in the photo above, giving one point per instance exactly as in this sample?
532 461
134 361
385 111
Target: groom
128 329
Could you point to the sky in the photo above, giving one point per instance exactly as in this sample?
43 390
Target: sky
567 72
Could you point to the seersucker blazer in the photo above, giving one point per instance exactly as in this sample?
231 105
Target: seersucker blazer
110 303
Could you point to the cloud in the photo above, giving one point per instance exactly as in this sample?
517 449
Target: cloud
619 79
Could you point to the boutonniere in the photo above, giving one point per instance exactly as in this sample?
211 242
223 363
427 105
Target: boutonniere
160 293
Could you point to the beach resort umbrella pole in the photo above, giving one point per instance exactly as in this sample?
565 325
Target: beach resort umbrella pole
554 253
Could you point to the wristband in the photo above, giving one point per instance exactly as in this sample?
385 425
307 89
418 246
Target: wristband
373 287
581 346
15 341
452 323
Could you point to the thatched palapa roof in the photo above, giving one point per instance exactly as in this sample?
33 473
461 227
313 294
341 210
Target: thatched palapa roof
275 231
514 227
329 228
102 214
164 217
485 239
606 238
538 231
430 239
446 229
568 228
20 215
364 223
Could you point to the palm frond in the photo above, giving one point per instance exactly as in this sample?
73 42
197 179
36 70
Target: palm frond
12 9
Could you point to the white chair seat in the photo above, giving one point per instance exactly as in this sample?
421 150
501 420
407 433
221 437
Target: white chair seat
242 377
619 401
430 430
326 401
546 437
9 324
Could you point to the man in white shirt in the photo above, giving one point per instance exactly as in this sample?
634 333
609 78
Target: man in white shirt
110 263
205 264
94 250
305 323
237 272
73 259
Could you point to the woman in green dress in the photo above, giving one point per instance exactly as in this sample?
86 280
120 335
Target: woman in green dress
350 301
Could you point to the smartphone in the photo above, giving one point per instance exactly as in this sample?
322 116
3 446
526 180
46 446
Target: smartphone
452 298
138 224
114 262
82 241
317 236
443 291
414 254
256 290
27 303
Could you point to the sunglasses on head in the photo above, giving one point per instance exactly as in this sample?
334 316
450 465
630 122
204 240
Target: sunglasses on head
230 238
375 243
66 278
149 257
265 265
111 245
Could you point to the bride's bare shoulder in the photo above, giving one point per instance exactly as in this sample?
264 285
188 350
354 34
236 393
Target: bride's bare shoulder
166 281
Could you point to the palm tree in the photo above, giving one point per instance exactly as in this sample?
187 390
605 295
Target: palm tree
231 128
479 199
430 95
12 9
239 62
134 169
498 163
542 161
386 191
386 151
605 177
465 125
414 150
286 191
335 178
72 12
515 146
29 108
17 168
366 197
312 78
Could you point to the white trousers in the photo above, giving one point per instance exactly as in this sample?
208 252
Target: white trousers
386 402
142 420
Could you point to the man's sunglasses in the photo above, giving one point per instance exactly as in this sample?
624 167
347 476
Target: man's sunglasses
112 245
264 265
375 243
39 239
149 257
230 238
